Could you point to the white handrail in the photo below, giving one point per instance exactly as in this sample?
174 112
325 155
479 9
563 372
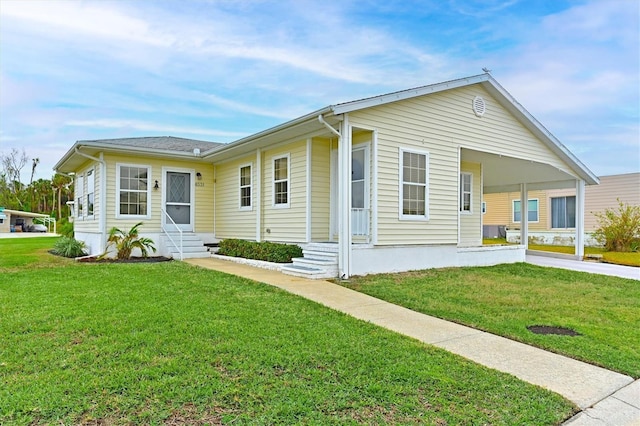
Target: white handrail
169 235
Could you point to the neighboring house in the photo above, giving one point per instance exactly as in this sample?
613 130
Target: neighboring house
19 221
389 183
552 213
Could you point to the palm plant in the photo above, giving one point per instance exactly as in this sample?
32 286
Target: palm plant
125 242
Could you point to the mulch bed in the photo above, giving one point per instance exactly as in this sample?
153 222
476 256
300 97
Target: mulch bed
151 259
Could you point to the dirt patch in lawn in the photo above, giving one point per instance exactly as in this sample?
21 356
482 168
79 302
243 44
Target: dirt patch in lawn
549 329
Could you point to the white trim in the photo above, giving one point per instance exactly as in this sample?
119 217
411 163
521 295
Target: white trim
461 193
150 182
374 195
308 189
258 206
579 235
273 181
401 215
513 211
192 195
250 206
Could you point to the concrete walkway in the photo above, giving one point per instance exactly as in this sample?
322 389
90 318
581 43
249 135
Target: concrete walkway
608 393
564 262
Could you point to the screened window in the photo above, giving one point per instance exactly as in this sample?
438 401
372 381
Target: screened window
245 187
414 184
79 190
465 192
133 190
281 181
90 191
563 212
532 211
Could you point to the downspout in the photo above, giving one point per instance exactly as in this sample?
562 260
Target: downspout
102 223
344 207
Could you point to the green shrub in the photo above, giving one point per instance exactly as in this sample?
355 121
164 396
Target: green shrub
69 247
268 251
65 228
619 228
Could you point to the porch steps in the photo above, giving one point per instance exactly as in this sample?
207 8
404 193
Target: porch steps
320 261
192 246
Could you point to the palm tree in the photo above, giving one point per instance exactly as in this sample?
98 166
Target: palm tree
126 242
61 184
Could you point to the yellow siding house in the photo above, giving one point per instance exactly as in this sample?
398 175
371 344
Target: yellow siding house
388 183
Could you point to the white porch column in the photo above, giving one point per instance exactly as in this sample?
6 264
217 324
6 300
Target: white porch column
524 216
344 199
579 219
258 195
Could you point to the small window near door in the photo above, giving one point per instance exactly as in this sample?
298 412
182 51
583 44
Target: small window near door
90 191
466 184
245 187
532 211
281 181
133 190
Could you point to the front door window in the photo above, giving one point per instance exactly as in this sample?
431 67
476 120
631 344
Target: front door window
178 198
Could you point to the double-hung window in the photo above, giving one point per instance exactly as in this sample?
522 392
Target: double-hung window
245 187
133 190
466 184
79 192
414 185
281 181
563 212
91 179
532 215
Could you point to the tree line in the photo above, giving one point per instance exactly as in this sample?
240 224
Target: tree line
47 196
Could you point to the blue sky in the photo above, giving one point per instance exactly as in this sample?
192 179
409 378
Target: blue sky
219 70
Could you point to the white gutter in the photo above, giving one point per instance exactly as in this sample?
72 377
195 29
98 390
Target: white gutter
328 126
102 222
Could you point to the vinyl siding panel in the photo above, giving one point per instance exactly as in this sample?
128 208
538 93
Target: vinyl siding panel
320 188
470 224
286 224
231 220
500 210
439 124
202 197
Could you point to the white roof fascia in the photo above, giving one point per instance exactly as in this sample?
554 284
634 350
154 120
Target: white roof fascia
407 94
536 127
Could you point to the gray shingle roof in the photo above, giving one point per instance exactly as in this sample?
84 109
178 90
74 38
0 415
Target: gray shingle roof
164 143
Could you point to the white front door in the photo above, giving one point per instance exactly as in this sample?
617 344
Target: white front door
179 200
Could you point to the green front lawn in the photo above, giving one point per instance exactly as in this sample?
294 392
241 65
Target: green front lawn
168 343
505 299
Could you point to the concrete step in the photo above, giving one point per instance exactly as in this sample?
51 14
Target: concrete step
320 255
322 247
305 272
308 262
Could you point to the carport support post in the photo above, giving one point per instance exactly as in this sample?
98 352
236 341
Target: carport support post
579 219
524 216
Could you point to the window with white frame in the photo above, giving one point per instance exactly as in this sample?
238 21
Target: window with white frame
532 215
79 192
133 190
563 212
466 184
281 181
414 184
90 191
245 187
484 207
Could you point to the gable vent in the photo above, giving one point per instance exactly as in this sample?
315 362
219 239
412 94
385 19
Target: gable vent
479 106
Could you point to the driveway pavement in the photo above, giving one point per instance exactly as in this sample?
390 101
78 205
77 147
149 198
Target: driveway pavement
559 261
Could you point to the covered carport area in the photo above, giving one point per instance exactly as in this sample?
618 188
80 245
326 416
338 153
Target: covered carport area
504 173
17 221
